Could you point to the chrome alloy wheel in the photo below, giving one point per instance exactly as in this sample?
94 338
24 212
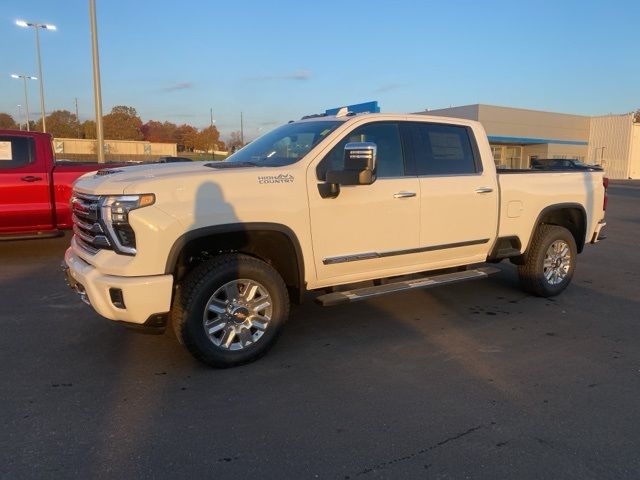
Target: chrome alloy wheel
237 314
557 262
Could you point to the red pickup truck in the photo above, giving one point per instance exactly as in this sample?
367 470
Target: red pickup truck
34 188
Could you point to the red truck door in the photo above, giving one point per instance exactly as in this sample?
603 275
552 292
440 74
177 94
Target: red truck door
25 184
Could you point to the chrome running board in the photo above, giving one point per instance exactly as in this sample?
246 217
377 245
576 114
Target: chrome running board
336 298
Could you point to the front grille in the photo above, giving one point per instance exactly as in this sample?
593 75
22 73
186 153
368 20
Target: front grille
87 228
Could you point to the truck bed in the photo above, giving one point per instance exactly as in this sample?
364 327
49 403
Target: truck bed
528 193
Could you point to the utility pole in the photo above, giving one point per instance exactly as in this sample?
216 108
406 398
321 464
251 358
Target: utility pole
97 92
211 114
77 116
19 110
241 130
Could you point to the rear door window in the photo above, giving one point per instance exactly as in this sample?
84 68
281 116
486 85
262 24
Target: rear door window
16 152
443 149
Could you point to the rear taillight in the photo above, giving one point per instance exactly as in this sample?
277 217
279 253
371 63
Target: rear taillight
605 184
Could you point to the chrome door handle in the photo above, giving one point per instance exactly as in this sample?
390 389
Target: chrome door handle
484 190
404 194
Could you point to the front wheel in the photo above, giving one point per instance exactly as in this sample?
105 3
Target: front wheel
550 262
230 310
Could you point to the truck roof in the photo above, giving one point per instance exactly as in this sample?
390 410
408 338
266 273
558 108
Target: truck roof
389 116
24 133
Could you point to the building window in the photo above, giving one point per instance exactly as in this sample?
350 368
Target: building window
507 156
497 155
513 157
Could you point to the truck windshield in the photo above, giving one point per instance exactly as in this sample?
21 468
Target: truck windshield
284 145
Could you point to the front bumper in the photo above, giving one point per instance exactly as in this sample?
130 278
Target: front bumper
143 298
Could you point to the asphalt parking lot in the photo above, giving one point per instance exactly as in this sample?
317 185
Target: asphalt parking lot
471 381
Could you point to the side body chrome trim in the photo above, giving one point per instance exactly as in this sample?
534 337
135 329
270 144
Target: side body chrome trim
392 253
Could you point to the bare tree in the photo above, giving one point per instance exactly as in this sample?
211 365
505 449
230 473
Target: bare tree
235 141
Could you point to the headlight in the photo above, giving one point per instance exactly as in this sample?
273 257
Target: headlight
115 215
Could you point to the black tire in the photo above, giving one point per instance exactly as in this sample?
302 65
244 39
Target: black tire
532 273
195 291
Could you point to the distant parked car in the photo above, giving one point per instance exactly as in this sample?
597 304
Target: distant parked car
563 164
173 159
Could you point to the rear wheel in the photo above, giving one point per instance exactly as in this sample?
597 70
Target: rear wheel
230 310
550 262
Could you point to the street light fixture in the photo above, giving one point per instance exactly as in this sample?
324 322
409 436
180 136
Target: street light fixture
47 26
26 96
37 27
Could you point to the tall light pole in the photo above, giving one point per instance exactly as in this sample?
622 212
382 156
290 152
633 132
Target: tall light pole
97 91
26 95
19 111
241 130
37 27
77 116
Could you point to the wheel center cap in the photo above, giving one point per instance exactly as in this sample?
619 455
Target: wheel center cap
239 313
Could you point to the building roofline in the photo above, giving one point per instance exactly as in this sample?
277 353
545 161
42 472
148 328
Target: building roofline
508 108
533 141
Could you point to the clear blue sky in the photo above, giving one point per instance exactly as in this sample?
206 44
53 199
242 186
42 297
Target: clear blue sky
277 60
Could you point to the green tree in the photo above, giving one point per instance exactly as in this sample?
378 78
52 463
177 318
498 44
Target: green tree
7 122
123 123
63 124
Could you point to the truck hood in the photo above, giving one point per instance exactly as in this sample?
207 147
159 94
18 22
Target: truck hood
141 178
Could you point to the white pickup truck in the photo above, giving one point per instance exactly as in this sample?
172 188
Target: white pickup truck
402 201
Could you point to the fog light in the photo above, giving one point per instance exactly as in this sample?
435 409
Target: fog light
117 298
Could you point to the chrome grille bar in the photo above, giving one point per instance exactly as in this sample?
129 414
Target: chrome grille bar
87 228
